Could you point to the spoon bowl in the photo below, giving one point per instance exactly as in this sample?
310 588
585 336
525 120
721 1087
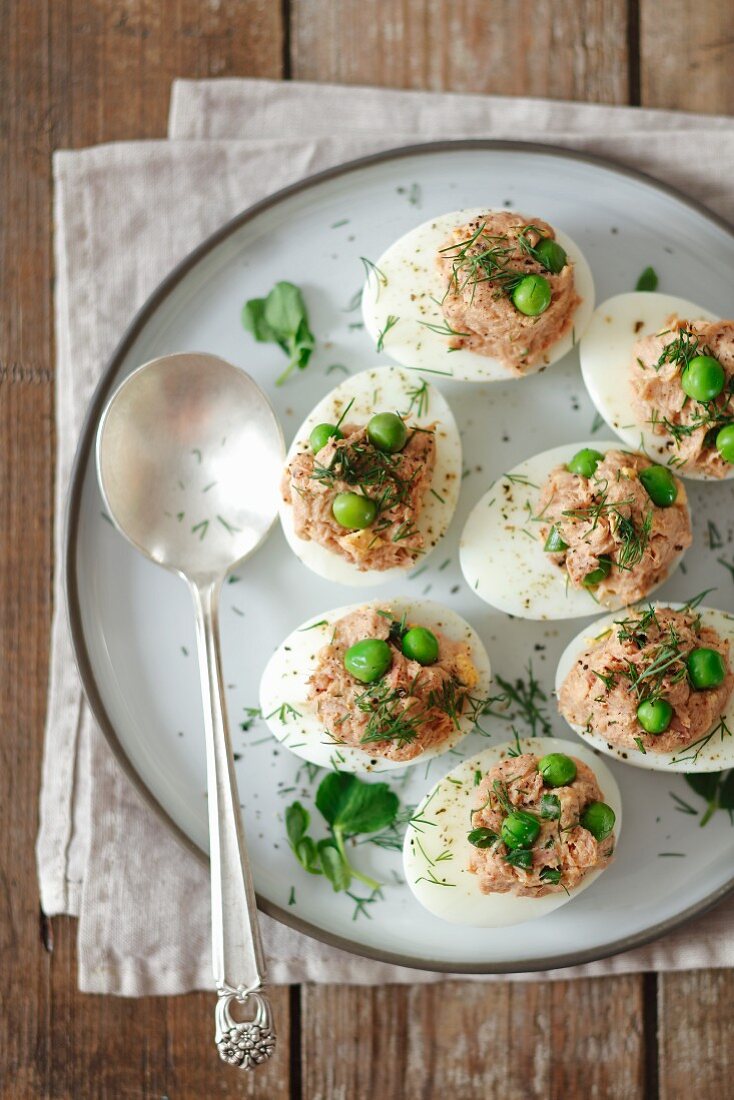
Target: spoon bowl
189 456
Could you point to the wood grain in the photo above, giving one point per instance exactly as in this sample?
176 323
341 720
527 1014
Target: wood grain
567 49
687 55
524 1041
695 1014
75 72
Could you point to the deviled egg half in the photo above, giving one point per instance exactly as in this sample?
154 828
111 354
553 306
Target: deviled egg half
372 478
576 527
513 833
654 687
479 295
660 370
377 685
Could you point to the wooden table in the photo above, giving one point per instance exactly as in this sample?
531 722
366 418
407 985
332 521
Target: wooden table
77 72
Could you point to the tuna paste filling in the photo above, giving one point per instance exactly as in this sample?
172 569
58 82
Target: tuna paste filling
606 532
396 483
562 853
483 264
642 659
411 708
658 371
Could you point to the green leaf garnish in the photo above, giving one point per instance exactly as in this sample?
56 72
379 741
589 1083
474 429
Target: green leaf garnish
281 319
334 867
648 280
349 807
482 837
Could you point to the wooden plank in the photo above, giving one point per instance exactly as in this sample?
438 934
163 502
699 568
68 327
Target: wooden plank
25 555
567 49
148 1047
695 1012
687 55
597 1039
521 1041
74 72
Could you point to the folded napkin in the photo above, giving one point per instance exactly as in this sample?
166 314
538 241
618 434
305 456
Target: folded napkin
144 925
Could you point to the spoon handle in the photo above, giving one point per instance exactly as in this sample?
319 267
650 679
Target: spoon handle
238 961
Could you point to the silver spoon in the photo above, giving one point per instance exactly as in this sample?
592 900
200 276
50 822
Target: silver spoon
189 454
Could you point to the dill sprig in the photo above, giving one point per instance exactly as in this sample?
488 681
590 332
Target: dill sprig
684 347
694 750
390 322
523 701
636 627
666 662
419 399
633 539
372 273
443 329
481 258
390 719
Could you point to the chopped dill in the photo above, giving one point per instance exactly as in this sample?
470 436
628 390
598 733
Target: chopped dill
522 700
727 565
419 400
285 712
390 322
715 540
443 329
373 273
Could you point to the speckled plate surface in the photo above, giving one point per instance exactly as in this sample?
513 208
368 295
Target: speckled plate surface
132 624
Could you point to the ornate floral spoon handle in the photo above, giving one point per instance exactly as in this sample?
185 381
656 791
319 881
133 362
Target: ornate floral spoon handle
238 961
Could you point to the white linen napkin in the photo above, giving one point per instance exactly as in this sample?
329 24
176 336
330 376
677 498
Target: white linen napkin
144 923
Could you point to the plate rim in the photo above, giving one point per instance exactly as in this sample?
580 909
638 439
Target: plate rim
72 513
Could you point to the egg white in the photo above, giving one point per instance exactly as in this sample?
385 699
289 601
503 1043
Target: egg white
408 285
443 822
605 351
716 756
502 556
382 389
286 676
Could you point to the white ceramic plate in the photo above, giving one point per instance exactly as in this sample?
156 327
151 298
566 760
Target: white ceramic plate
132 624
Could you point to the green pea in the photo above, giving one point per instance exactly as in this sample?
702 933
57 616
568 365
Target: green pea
368 660
353 510
654 715
660 485
554 544
519 829
599 819
725 443
387 432
703 378
585 462
596 576
706 668
321 435
532 295
420 645
557 769
551 255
